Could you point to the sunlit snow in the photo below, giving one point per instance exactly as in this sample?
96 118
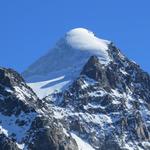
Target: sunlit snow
66 59
82 145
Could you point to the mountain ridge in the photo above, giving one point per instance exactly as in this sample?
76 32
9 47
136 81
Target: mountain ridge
92 97
24 124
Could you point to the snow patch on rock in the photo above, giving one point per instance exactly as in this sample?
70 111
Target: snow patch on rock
82 145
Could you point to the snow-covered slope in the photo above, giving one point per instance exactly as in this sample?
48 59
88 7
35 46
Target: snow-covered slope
63 63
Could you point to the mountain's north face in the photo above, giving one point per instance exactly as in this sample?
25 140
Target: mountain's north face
91 97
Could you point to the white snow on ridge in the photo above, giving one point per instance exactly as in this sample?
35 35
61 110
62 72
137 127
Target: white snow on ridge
82 145
2 130
21 146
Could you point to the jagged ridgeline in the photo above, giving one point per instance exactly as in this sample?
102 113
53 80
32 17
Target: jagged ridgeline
91 97
24 122
107 106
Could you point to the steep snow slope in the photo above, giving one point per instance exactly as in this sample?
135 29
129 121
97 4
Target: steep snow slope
66 59
44 88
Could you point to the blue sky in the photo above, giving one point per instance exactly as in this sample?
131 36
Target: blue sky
29 28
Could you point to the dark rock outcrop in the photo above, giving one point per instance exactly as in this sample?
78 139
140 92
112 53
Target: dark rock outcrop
7 144
108 105
23 117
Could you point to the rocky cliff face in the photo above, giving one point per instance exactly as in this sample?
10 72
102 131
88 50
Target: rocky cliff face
97 99
107 106
24 124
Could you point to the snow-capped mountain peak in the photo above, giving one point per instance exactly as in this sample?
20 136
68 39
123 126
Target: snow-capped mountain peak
92 98
66 59
77 44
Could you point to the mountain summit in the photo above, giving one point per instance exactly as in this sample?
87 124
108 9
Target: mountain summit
77 44
83 39
63 63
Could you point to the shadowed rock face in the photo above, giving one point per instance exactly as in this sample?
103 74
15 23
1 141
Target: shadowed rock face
10 77
93 69
11 103
49 138
107 105
7 144
22 120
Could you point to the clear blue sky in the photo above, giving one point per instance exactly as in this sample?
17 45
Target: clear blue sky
28 28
